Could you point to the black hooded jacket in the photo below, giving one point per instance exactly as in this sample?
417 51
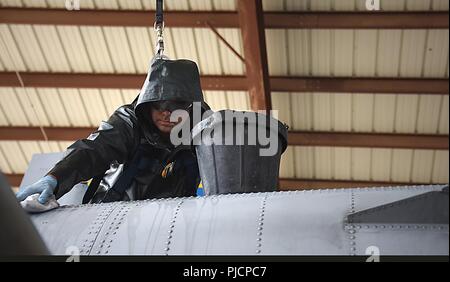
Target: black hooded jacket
126 157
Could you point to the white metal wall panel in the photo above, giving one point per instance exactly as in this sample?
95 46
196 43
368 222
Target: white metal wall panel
12 108
304 162
384 112
366 164
299 48
94 105
387 113
231 64
97 49
321 52
49 146
342 52
381 164
4 164
342 112
129 95
322 112
29 47
444 116
401 165
269 5
302 111
389 45
220 100
406 113
75 49
74 105
412 54
418 5
113 100
142 47
323 5
216 100
224 5
361 163
273 5
11 3
436 56
14 156
363 112
324 162
287 169
173 5
130 4
119 48
384 53
54 107
238 100
422 166
201 5
4 121
52 48
353 5
365 53
59 4
276 52
280 101
208 51
2 66
34 4
32 107
440 168
440 5
106 4
428 114
184 44
342 165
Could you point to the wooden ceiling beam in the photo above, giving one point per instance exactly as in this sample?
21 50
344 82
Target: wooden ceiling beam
251 21
295 138
229 19
423 86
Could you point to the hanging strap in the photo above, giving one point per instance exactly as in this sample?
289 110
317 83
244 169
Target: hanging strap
159 27
159 13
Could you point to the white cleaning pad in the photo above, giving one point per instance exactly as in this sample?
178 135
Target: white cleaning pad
31 204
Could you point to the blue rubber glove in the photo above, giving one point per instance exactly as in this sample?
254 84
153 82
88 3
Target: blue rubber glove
45 186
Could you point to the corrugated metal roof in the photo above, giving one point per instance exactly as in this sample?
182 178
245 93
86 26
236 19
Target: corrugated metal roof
186 5
325 52
353 5
366 164
85 107
230 5
371 53
115 49
382 113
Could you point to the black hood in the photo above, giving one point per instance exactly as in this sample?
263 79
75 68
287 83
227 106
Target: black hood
175 80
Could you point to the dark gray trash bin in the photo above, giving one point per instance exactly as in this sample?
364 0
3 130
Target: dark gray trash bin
242 167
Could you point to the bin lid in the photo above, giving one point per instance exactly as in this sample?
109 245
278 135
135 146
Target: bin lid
231 116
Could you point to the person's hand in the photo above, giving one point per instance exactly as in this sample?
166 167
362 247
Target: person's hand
45 187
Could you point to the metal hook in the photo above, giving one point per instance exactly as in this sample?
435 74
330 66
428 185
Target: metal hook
159 28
